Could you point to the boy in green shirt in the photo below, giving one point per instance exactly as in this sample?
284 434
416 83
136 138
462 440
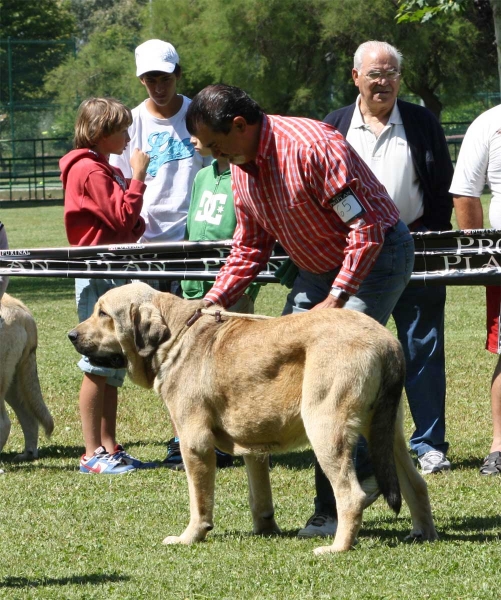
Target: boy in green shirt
211 216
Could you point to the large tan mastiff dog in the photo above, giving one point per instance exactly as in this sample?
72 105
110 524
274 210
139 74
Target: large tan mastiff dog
19 384
250 387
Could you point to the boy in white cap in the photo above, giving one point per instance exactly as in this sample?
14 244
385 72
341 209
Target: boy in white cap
159 129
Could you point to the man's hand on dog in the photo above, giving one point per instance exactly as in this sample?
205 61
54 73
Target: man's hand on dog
330 302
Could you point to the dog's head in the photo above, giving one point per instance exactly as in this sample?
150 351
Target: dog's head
125 330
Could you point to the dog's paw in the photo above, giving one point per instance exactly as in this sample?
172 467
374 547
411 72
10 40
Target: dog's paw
27 456
422 536
172 539
332 549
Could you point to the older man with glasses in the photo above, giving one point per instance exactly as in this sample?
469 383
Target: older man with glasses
405 147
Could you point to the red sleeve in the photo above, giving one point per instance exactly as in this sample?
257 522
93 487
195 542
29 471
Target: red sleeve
119 210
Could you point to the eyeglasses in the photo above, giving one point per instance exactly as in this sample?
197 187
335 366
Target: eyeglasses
377 75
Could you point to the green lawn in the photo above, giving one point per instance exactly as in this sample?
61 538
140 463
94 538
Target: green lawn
70 536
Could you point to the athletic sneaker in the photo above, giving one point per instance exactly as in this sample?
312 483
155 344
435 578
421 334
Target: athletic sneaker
120 454
433 461
101 462
173 460
319 525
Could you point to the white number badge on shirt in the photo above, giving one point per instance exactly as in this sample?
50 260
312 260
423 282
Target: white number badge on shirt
347 205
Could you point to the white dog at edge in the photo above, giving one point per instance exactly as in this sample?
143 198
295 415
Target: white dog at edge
19 384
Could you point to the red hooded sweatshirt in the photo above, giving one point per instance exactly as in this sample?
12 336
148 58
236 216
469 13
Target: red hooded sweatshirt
100 208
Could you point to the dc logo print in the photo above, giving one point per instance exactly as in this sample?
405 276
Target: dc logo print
211 208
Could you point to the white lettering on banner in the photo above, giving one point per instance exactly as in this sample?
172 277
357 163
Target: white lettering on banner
126 247
453 261
211 208
15 253
461 243
211 262
480 245
492 262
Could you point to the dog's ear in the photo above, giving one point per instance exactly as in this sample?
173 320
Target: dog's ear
150 329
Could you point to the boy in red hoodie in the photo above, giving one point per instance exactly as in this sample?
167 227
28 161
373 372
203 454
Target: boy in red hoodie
101 207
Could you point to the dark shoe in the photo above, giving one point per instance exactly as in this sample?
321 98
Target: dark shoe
223 460
492 464
173 460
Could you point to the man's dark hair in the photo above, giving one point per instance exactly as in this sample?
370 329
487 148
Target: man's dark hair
217 105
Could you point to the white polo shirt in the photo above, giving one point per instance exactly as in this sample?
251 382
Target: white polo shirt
389 158
479 162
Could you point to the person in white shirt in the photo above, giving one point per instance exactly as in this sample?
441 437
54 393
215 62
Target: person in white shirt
405 147
478 164
159 129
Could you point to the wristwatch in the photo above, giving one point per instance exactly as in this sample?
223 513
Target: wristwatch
339 293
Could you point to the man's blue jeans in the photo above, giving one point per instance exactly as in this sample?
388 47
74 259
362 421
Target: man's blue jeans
376 297
419 318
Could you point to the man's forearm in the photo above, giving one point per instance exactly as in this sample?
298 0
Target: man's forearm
469 212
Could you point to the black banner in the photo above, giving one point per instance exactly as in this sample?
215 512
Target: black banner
470 257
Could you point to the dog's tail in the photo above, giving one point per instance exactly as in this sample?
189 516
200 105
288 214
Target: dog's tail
382 429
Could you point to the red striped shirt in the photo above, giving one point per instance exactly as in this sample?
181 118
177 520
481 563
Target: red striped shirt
288 194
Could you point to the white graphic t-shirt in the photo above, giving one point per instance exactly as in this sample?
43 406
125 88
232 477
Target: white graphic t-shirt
172 169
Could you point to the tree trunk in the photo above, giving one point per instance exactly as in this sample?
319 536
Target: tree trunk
496 15
430 99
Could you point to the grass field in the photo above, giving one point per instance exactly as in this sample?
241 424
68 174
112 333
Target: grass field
70 536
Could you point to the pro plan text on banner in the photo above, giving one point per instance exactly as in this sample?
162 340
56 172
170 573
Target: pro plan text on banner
470 257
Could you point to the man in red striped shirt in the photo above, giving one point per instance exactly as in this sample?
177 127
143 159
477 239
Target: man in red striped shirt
298 181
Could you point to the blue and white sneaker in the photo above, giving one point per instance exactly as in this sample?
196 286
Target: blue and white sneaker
101 462
126 459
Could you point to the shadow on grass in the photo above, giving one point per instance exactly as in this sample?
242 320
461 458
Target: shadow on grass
464 529
295 461
471 462
6 204
56 451
393 536
52 451
96 579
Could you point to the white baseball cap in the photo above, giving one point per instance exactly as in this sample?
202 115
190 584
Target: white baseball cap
155 55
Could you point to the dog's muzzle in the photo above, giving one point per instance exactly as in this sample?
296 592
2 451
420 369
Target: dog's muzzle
111 361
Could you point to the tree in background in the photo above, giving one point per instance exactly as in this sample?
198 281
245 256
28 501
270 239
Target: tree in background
271 48
294 57
107 32
33 43
424 11
443 60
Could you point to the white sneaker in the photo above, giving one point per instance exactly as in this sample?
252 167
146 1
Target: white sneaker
433 461
319 526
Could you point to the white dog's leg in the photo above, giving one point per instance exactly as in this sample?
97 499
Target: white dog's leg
4 425
334 451
201 474
414 488
260 496
349 500
27 420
